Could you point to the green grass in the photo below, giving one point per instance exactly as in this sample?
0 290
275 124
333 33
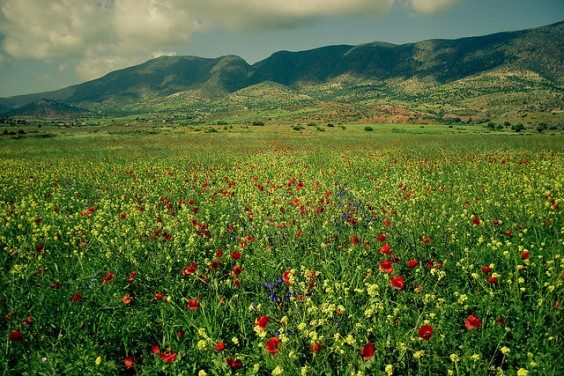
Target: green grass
101 200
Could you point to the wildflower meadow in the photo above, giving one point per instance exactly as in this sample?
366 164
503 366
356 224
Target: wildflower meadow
271 252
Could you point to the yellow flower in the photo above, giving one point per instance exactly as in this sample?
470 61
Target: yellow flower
202 332
389 370
98 360
475 357
454 358
522 372
202 373
505 350
202 344
418 354
277 371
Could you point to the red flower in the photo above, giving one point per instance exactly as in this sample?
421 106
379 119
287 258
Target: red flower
219 346
425 239
500 320
386 249
127 299
367 351
189 269
28 321
387 223
158 295
472 322
381 238
386 266
15 335
156 349
412 263
132 277
524 255
425 332
272 345
236 255
486 269
193 304
261 321
219 253
315 347
55 285
76 297
129 362
236 270
353 239
475 220
180 333
492 280
398 282
286 277
168 356
234 364
108 277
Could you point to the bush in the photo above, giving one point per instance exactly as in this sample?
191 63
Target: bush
368 129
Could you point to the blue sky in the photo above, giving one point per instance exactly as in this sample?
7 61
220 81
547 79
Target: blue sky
47 45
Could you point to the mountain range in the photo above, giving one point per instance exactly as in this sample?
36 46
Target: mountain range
497 76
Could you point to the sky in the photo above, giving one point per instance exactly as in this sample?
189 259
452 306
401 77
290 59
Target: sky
50 44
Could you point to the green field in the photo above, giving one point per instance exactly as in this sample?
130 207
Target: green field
405 250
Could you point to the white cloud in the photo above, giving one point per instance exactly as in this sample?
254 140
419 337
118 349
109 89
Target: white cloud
101 35
431 6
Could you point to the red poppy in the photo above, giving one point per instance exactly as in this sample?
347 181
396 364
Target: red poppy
55 285
108 277
486 269
500 320
315 347
127 299
129 362
261 321
236 255
180 333
272 345
158 295
219 253
132 277
472 322
412 263
381 238
15 335
398 282
475 220
386 266
234 364
220 346
425 332
215 264
236 270
387 223
28 321
353 239
524 255
156 349
367 351
76 297
492 280
386 249
286 277
193 304
189 269
168 356
425 239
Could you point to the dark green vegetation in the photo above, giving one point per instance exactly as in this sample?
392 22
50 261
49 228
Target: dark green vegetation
513 76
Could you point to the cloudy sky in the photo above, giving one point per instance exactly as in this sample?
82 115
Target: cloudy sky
49 44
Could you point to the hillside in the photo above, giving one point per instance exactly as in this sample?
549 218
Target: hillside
466 75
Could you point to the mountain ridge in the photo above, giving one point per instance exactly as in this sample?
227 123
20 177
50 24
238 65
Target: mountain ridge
438 61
